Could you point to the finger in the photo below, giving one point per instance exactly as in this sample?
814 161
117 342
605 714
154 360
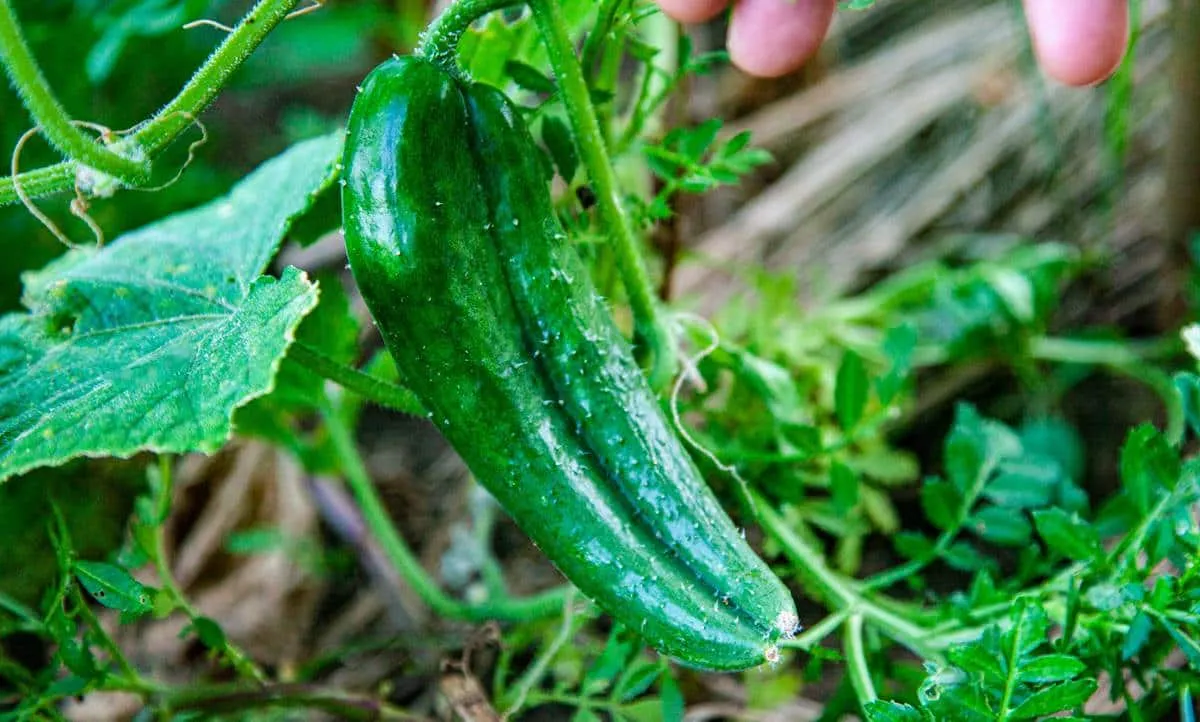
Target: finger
1078 42
770 38
693 11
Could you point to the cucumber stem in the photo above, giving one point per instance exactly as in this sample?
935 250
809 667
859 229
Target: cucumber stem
540 606
649 325
439 42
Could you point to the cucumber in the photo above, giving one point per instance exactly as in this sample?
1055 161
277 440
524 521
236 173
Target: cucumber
494 324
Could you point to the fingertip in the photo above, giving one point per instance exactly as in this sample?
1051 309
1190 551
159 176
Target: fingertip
1078 42
693 11
770 38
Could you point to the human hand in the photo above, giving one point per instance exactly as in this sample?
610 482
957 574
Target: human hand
1078 42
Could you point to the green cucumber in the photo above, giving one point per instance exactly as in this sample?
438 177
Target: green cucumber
494 324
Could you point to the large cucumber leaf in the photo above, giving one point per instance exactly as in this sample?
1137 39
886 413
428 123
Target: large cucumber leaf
152 342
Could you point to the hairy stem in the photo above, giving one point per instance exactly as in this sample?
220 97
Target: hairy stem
650 327
439 44
180 112
49 114
174 118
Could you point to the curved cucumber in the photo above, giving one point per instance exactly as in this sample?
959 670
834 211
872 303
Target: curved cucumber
594 373
422 220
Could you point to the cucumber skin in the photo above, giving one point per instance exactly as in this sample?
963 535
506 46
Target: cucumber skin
592 369
420 240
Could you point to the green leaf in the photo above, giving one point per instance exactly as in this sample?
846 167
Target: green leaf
621 646
1001 526
1188 386
975 659
975 448
1030 631
153 341
843 487
70 686
96 517
959 702
78 658
912 545
672 700
1067 534
557 138
769 691
1137 636
1015 291
113 587
1148 465
636 680
648 709
775 385
209 632
898 345
850 392
965 557
1050 668
1026 483
941 502
891 467
487 47
146 18
880 711
332 329
1105 597
1058 698
695 142
1048 437
529 78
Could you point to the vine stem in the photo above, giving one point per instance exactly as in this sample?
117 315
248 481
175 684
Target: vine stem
856 661
439 43
546 604
649 325
537 671
391 396
237 658
175 117
836 591
49 113
220 699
